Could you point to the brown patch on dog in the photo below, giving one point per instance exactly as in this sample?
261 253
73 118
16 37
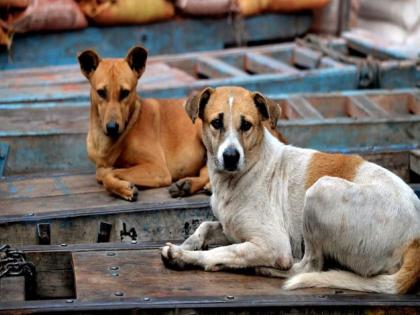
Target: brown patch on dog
409 274
335 165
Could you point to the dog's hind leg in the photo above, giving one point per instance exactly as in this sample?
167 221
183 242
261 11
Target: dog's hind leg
190 185
208 233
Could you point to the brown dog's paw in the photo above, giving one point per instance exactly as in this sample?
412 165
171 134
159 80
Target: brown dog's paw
181 188
129 193
172 257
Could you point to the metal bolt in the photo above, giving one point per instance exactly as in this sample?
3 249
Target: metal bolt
110 254
146 299
118 293
31 214
115 274
230 297
63 245
69 301
114 268
133 242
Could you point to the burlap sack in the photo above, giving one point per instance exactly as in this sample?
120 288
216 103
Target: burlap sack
203 8
326 20
42 15
404 13
114 12
253 7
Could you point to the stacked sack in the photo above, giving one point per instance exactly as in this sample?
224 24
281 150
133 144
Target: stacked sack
119 12
246 7
397 20
326 20
22 16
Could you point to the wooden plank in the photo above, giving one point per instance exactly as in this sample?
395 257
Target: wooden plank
368 106
142 274
259 63
86 199
12 289
214 68
373 44
304 108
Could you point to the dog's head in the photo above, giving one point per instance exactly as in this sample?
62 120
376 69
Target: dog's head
113 86
232 123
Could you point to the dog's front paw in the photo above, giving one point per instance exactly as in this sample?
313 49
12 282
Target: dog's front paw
128 192
181 188
172 257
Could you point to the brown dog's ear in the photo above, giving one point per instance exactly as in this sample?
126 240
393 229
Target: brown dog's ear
196 103
136 59
267 108
89 61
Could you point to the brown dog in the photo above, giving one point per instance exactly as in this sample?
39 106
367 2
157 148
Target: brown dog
139 142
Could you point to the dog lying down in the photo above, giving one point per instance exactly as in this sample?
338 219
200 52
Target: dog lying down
136 142
268 197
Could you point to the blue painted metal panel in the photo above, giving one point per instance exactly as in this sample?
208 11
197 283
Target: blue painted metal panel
170 37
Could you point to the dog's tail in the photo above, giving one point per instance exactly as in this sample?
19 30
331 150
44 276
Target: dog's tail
400 282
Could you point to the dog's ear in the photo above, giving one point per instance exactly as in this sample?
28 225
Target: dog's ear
196 103
89 61
136 59
267 108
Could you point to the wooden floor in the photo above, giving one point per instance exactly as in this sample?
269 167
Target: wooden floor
141 273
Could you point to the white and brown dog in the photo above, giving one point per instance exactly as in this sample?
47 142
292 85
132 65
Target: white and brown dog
268 197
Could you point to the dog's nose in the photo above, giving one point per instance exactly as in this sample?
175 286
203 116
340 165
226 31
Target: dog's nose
231 158
112 128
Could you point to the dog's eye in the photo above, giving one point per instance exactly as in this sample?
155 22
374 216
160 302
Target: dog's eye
102 93
245 125
123 94
217 123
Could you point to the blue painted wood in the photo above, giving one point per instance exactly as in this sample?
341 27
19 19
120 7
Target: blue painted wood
54 138
4 154
170 37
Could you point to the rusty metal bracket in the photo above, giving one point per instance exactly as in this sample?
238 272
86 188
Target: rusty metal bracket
104 234
4 153
43 232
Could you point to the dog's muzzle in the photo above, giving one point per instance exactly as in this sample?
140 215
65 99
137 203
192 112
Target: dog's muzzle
112 129
231 158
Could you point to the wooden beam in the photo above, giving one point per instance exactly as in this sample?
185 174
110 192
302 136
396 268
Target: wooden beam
368 106
259 63
12 289
304 108
215 68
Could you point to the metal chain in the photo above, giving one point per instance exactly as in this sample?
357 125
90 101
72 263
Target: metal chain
13 263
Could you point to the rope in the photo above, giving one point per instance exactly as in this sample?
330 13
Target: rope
369 68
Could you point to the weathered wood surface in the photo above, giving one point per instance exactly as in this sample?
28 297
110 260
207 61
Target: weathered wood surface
304 70
74 205
171 37
53 138
142 274
115 279
12 289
